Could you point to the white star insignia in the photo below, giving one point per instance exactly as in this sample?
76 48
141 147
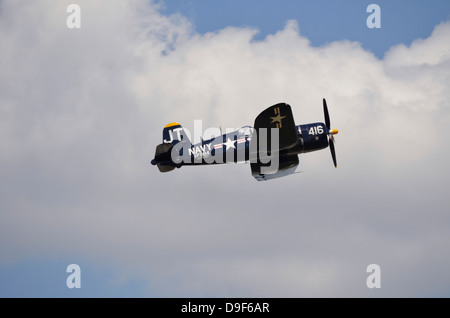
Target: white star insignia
229 144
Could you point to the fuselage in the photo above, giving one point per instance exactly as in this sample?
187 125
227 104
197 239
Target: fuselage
239 146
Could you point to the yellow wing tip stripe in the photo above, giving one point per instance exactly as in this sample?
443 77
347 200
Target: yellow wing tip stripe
172 124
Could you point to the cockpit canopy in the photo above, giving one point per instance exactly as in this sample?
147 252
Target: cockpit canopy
246 131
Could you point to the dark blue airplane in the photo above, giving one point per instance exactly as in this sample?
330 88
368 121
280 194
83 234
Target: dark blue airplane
274 156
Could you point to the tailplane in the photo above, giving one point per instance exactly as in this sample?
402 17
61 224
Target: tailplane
172 134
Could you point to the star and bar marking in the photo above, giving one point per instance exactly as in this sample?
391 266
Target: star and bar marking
277 118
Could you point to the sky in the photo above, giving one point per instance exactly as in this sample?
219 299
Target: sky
82 111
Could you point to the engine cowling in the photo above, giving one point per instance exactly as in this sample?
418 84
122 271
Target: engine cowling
313 137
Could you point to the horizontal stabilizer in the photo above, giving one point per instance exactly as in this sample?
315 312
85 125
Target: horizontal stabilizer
163 158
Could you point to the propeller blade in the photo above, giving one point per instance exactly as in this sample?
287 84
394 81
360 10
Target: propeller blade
333 153
325 112
331 132
332 138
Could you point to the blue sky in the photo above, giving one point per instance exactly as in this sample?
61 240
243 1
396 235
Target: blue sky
77 186
321 21
47 278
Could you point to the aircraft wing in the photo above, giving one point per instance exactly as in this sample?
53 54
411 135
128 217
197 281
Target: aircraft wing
287 166
278 116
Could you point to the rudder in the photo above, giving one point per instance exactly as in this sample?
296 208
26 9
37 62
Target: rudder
173 133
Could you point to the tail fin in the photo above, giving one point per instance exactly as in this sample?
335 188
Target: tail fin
173 133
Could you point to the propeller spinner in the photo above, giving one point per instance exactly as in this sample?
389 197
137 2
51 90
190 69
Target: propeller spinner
331 132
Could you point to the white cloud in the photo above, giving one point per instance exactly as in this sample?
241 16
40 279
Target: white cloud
82 111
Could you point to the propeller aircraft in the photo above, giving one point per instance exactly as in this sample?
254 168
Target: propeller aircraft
274 156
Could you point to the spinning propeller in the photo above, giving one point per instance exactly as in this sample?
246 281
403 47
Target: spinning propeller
331 132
